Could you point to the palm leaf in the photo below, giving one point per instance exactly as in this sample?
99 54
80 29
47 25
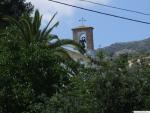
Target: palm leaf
36 21
46 32
64 57
49 22
45 35
64 42
27 29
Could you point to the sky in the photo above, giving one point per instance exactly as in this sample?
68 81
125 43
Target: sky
107 30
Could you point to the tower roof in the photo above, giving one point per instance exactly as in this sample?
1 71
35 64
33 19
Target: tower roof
83 27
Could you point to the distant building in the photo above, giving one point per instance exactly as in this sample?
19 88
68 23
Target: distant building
84 36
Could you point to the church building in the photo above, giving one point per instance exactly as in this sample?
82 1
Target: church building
83 35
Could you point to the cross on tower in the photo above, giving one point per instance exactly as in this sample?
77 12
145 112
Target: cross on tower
82 20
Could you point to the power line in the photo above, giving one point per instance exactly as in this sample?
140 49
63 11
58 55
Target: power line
94 11
114 7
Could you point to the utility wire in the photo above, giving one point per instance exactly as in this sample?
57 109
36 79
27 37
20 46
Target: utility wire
114 7
94 11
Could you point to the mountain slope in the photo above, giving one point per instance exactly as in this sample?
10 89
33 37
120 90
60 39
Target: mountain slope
128 47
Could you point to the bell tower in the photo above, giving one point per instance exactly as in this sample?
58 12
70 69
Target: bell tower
84 36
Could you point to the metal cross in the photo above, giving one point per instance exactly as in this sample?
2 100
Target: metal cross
82 20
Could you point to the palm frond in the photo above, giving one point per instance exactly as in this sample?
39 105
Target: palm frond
27 28
65 59
49 22
45 31
36 21
45 35
64 42
62 53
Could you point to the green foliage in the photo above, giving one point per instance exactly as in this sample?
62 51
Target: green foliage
38 76
116 88
32 69
14 8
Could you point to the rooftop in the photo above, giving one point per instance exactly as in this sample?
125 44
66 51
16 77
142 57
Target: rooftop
82 27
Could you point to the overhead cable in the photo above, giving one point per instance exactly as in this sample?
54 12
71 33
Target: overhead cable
114 7
99 12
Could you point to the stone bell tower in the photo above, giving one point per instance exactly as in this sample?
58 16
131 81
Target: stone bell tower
84 36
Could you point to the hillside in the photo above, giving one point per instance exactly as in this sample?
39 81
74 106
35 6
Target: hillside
134 47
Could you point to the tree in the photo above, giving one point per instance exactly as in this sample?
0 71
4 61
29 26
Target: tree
14 8
114 88
31 65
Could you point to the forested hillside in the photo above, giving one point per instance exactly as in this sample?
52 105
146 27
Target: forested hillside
135 47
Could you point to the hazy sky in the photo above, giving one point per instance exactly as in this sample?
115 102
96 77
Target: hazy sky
107 30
